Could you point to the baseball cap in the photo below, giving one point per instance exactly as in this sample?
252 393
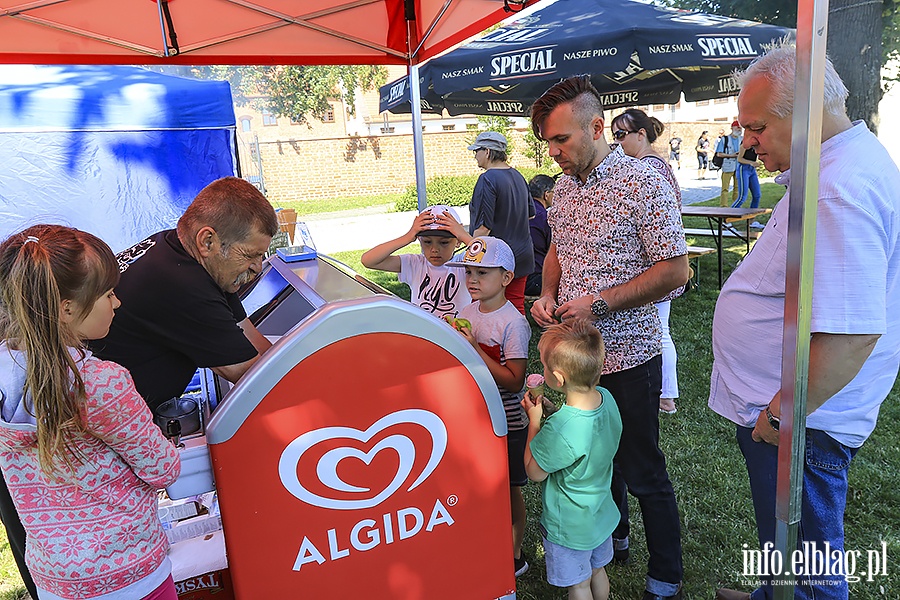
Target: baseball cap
432 229
490 140
735 124
487 251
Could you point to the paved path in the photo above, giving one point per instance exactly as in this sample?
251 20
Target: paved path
368 227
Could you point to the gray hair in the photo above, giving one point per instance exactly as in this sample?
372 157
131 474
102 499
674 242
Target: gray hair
779 65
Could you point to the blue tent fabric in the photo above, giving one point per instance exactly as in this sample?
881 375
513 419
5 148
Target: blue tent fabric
117 151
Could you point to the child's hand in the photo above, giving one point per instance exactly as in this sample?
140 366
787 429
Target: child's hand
447 222
466 332
420 223
533 405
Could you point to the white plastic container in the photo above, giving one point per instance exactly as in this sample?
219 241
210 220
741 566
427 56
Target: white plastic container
196 470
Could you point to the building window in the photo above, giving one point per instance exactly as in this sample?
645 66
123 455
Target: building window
721 100
702 102
471 126
269 119
293 122
245 124
253 152
659 107
328 117
388 129
450 127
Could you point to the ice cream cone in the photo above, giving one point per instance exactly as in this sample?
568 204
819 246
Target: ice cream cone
535 385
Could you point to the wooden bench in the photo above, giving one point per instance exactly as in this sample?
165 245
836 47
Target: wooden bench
726 233
694 254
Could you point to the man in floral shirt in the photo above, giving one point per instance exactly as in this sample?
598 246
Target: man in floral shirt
618 245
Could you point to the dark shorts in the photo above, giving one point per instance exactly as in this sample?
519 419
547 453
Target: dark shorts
702 161
675 155
515 450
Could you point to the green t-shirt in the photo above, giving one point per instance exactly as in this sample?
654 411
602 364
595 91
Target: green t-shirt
576 447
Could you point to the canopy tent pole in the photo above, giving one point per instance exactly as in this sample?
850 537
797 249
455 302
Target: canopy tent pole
415 101
806 144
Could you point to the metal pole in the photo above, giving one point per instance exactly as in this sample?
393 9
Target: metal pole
415 101
259 165
806 143
162 27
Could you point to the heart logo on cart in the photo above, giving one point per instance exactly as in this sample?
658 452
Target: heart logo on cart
327 466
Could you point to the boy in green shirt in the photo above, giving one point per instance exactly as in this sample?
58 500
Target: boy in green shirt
573 456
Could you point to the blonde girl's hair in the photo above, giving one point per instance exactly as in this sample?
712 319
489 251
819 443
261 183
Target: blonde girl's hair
576 348
39 268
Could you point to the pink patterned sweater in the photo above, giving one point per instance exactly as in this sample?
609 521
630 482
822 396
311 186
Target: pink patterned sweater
95 531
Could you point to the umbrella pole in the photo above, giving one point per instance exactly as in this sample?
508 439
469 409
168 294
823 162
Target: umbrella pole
415 101
806 143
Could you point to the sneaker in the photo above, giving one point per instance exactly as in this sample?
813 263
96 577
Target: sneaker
521 565
757 225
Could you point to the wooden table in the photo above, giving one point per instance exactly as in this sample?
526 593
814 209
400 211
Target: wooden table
720 219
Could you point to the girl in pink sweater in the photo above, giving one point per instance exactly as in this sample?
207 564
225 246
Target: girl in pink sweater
78 447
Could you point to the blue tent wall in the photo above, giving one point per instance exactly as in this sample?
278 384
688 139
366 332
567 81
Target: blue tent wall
117 151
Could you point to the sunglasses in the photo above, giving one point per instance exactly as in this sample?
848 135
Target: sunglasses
620 134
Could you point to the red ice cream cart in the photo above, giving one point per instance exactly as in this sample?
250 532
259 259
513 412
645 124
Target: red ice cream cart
364 453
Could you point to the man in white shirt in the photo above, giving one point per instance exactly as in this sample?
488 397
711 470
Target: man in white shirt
855 320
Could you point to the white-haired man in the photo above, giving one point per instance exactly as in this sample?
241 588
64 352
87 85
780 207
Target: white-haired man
855 343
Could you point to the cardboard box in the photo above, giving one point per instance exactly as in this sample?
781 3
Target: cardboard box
177 510
215 585
192 528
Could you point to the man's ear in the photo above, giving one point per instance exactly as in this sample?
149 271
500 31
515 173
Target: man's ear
206 241
597 127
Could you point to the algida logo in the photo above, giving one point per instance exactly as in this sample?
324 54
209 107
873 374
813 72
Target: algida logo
335 493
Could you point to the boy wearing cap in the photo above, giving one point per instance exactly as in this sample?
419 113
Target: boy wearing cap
728 148
434 286
500 335
501 207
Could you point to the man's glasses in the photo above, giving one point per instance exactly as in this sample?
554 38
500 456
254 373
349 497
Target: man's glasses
620 134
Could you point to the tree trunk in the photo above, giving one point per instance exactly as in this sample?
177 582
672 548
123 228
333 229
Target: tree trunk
854 47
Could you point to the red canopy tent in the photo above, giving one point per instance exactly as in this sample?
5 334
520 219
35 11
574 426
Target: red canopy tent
204 32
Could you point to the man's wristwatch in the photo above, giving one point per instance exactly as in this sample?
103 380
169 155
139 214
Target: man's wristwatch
774 422
599 307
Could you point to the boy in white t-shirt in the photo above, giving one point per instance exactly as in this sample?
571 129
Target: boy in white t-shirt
434 286
500 335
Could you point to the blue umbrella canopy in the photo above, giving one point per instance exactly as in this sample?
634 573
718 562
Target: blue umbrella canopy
636 53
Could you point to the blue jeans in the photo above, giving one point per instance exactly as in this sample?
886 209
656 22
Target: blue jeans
822 511
640 468
746 179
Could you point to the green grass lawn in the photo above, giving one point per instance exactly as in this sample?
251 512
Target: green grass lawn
705 466
325 205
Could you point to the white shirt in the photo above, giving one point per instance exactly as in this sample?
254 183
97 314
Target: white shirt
438 290
856 290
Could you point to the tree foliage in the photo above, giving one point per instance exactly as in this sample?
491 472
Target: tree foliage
862 36
300 92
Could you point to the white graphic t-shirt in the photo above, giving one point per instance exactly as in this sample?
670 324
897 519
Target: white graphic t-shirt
438 290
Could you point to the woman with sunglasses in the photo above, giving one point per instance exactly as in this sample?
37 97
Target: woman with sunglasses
636 132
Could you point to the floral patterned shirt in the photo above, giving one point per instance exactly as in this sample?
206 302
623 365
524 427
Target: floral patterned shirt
609 230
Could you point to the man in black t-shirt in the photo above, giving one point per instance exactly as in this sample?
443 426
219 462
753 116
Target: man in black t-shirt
178 290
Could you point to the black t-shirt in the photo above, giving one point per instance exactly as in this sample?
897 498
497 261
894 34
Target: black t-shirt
173 319
502 203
